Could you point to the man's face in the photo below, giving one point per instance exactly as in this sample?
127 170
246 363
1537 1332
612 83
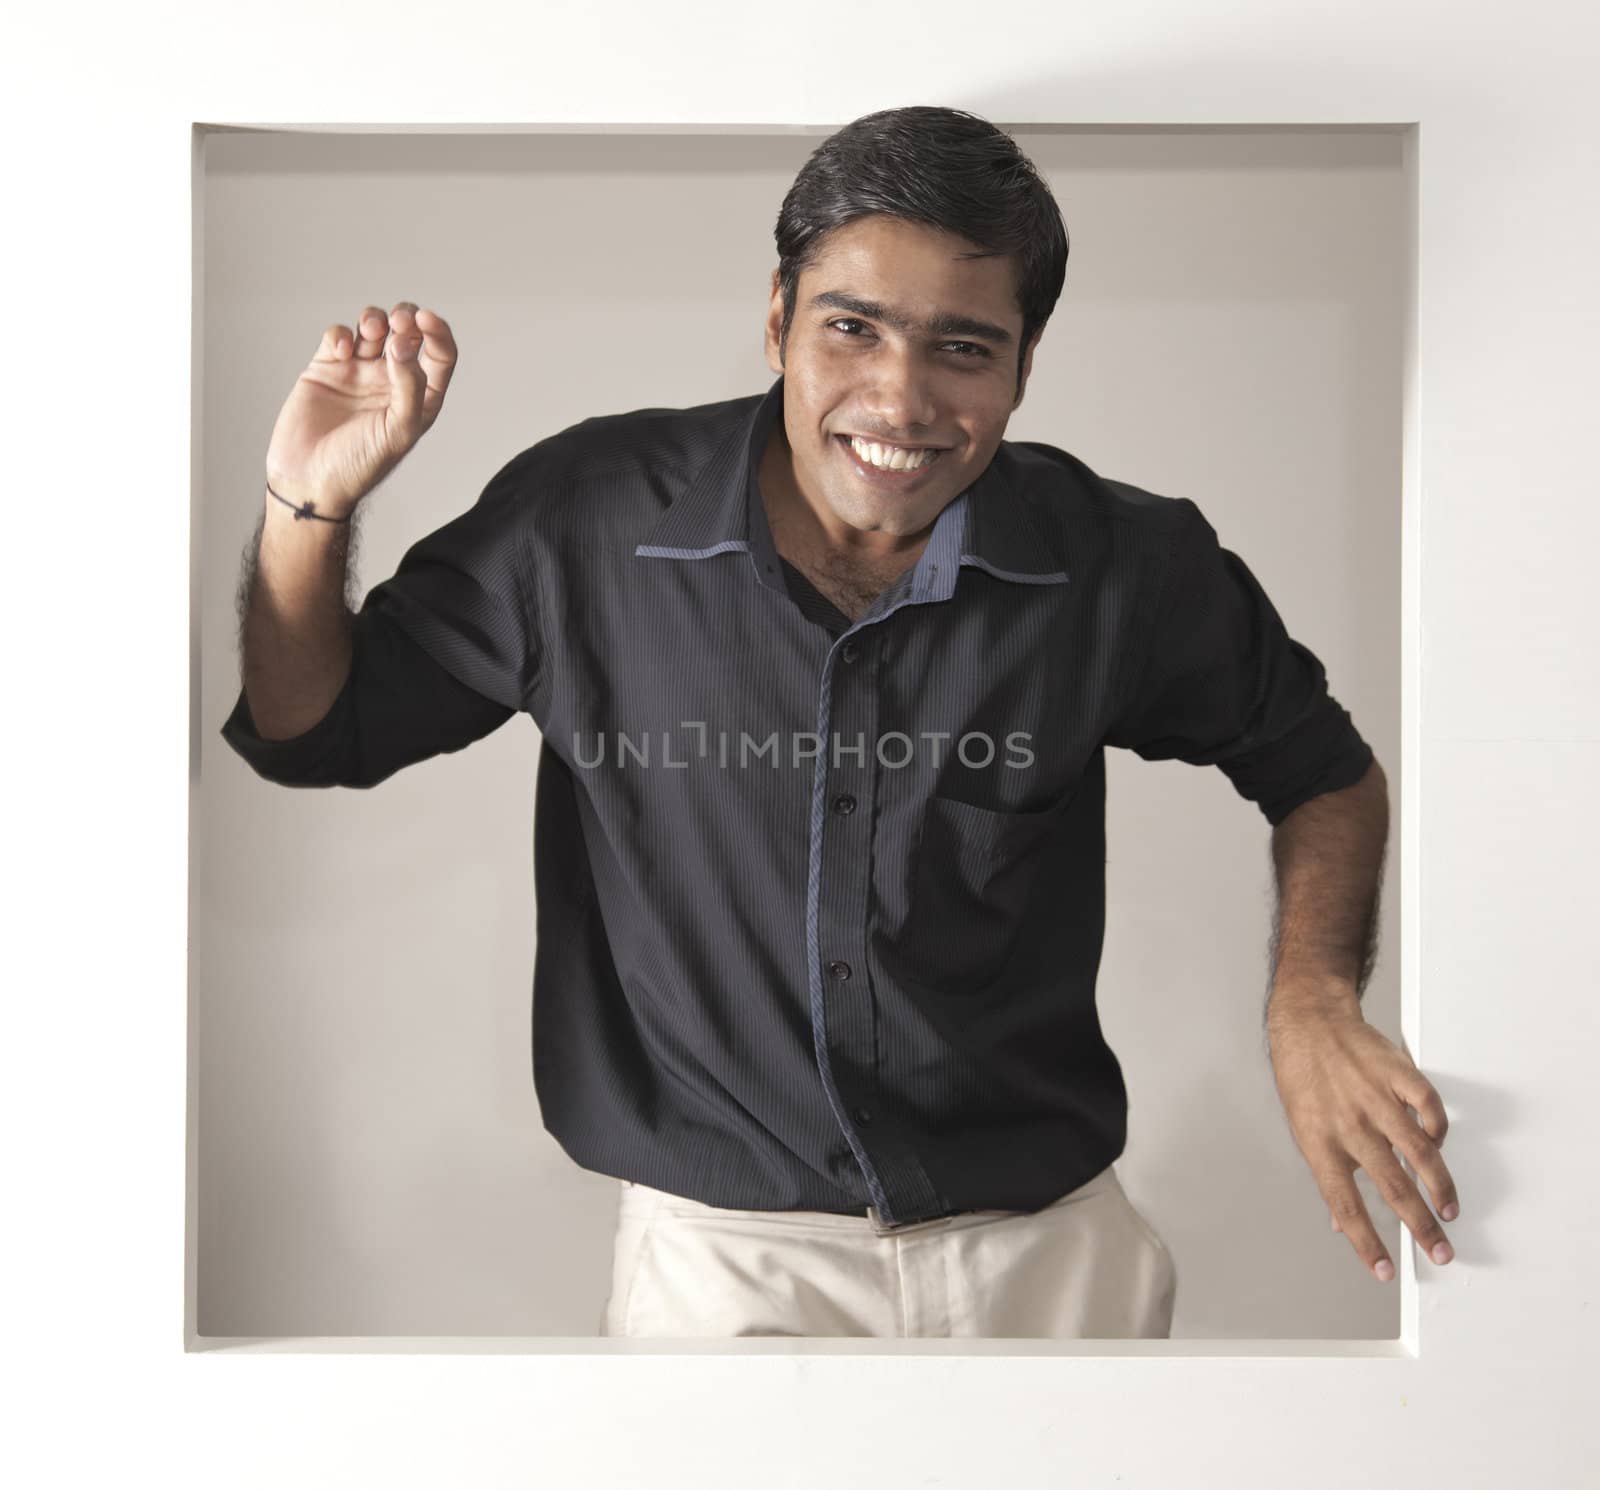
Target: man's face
850 370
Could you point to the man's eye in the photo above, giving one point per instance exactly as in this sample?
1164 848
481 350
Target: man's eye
970 349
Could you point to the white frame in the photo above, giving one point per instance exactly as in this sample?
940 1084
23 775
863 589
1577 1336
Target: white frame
1488 1391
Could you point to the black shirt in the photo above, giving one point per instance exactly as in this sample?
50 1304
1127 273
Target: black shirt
820 906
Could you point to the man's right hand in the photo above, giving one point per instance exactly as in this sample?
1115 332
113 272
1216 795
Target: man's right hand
360 406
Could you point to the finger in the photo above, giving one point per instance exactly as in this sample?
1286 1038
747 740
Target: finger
335 343
1421 1152
1401 1195
403 325
1350 1216
438 355
406 379
1415 1090
436 334
405 339
371 328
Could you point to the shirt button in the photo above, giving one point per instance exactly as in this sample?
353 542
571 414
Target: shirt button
845 804
850 651
862 1116
840 970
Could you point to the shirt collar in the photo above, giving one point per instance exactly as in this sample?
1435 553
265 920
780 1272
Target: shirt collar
990 525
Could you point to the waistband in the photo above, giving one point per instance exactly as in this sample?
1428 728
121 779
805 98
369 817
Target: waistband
638 1198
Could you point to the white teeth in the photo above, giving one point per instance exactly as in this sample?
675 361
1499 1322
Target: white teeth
891 459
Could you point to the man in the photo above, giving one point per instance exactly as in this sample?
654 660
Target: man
825 679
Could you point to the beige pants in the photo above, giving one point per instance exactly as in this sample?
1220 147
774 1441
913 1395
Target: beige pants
1087 1266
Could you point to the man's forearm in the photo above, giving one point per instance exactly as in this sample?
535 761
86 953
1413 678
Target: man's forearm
1328 855
295 625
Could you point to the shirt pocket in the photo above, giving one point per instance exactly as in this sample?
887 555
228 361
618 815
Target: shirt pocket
973 877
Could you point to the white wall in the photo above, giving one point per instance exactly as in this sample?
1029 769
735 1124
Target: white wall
1495 771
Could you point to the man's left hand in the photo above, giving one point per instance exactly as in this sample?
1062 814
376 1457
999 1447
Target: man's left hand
1347 1092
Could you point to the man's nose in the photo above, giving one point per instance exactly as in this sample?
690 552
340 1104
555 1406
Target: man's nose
901 400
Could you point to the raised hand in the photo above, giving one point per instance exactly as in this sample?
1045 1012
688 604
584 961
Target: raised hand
363 401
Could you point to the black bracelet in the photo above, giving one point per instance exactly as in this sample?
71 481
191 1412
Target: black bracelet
304 510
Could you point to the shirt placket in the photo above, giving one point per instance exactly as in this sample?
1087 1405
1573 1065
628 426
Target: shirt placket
836 924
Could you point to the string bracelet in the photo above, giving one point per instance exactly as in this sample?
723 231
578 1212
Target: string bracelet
304 509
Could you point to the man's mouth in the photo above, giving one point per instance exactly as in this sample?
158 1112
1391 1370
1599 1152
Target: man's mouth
900 467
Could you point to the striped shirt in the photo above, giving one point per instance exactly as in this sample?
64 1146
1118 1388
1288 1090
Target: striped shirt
820 904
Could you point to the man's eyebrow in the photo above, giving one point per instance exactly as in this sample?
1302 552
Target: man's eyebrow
946 324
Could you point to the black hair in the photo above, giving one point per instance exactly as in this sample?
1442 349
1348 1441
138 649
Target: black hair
942 167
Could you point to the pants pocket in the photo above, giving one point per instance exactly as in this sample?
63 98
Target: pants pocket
627 1258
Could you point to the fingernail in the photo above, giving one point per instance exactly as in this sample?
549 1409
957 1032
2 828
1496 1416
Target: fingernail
1449 1212
1384 1270
1441 1252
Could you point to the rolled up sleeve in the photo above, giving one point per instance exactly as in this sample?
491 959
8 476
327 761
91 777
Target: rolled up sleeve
443 652
1223 683
397 707
464 593
323 755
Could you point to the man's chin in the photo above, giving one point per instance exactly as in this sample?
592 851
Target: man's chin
886 517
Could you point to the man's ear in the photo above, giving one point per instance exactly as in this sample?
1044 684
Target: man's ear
774 326
1027 369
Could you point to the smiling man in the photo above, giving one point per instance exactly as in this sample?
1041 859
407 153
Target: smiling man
893 402
825 678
